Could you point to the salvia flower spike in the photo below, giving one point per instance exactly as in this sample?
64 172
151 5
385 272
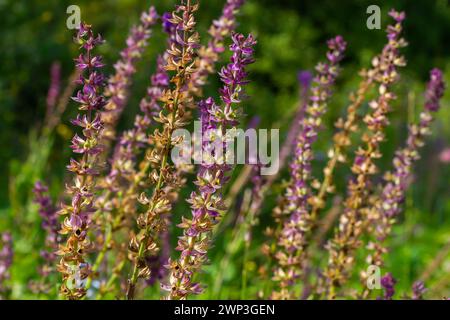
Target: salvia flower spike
180 60
73 264
123 173
122 164
291 240
207 202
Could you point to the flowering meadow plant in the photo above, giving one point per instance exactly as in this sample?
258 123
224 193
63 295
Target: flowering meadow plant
127 220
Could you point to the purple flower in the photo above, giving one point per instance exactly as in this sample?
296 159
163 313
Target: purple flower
435 90
419 290
304 78
234 74
388 283
168 26
398 16
337 47
226 23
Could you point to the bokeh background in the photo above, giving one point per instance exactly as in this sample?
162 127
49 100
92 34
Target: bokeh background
291 37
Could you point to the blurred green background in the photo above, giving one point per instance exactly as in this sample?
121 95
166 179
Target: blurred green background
291 36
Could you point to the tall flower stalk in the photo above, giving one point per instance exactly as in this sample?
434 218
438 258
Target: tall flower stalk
388 205
176 103
207 202
125 177
116 91
73 264
292 238
347 237
338 152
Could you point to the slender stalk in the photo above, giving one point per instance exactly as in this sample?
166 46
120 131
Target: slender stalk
73 265
181 60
